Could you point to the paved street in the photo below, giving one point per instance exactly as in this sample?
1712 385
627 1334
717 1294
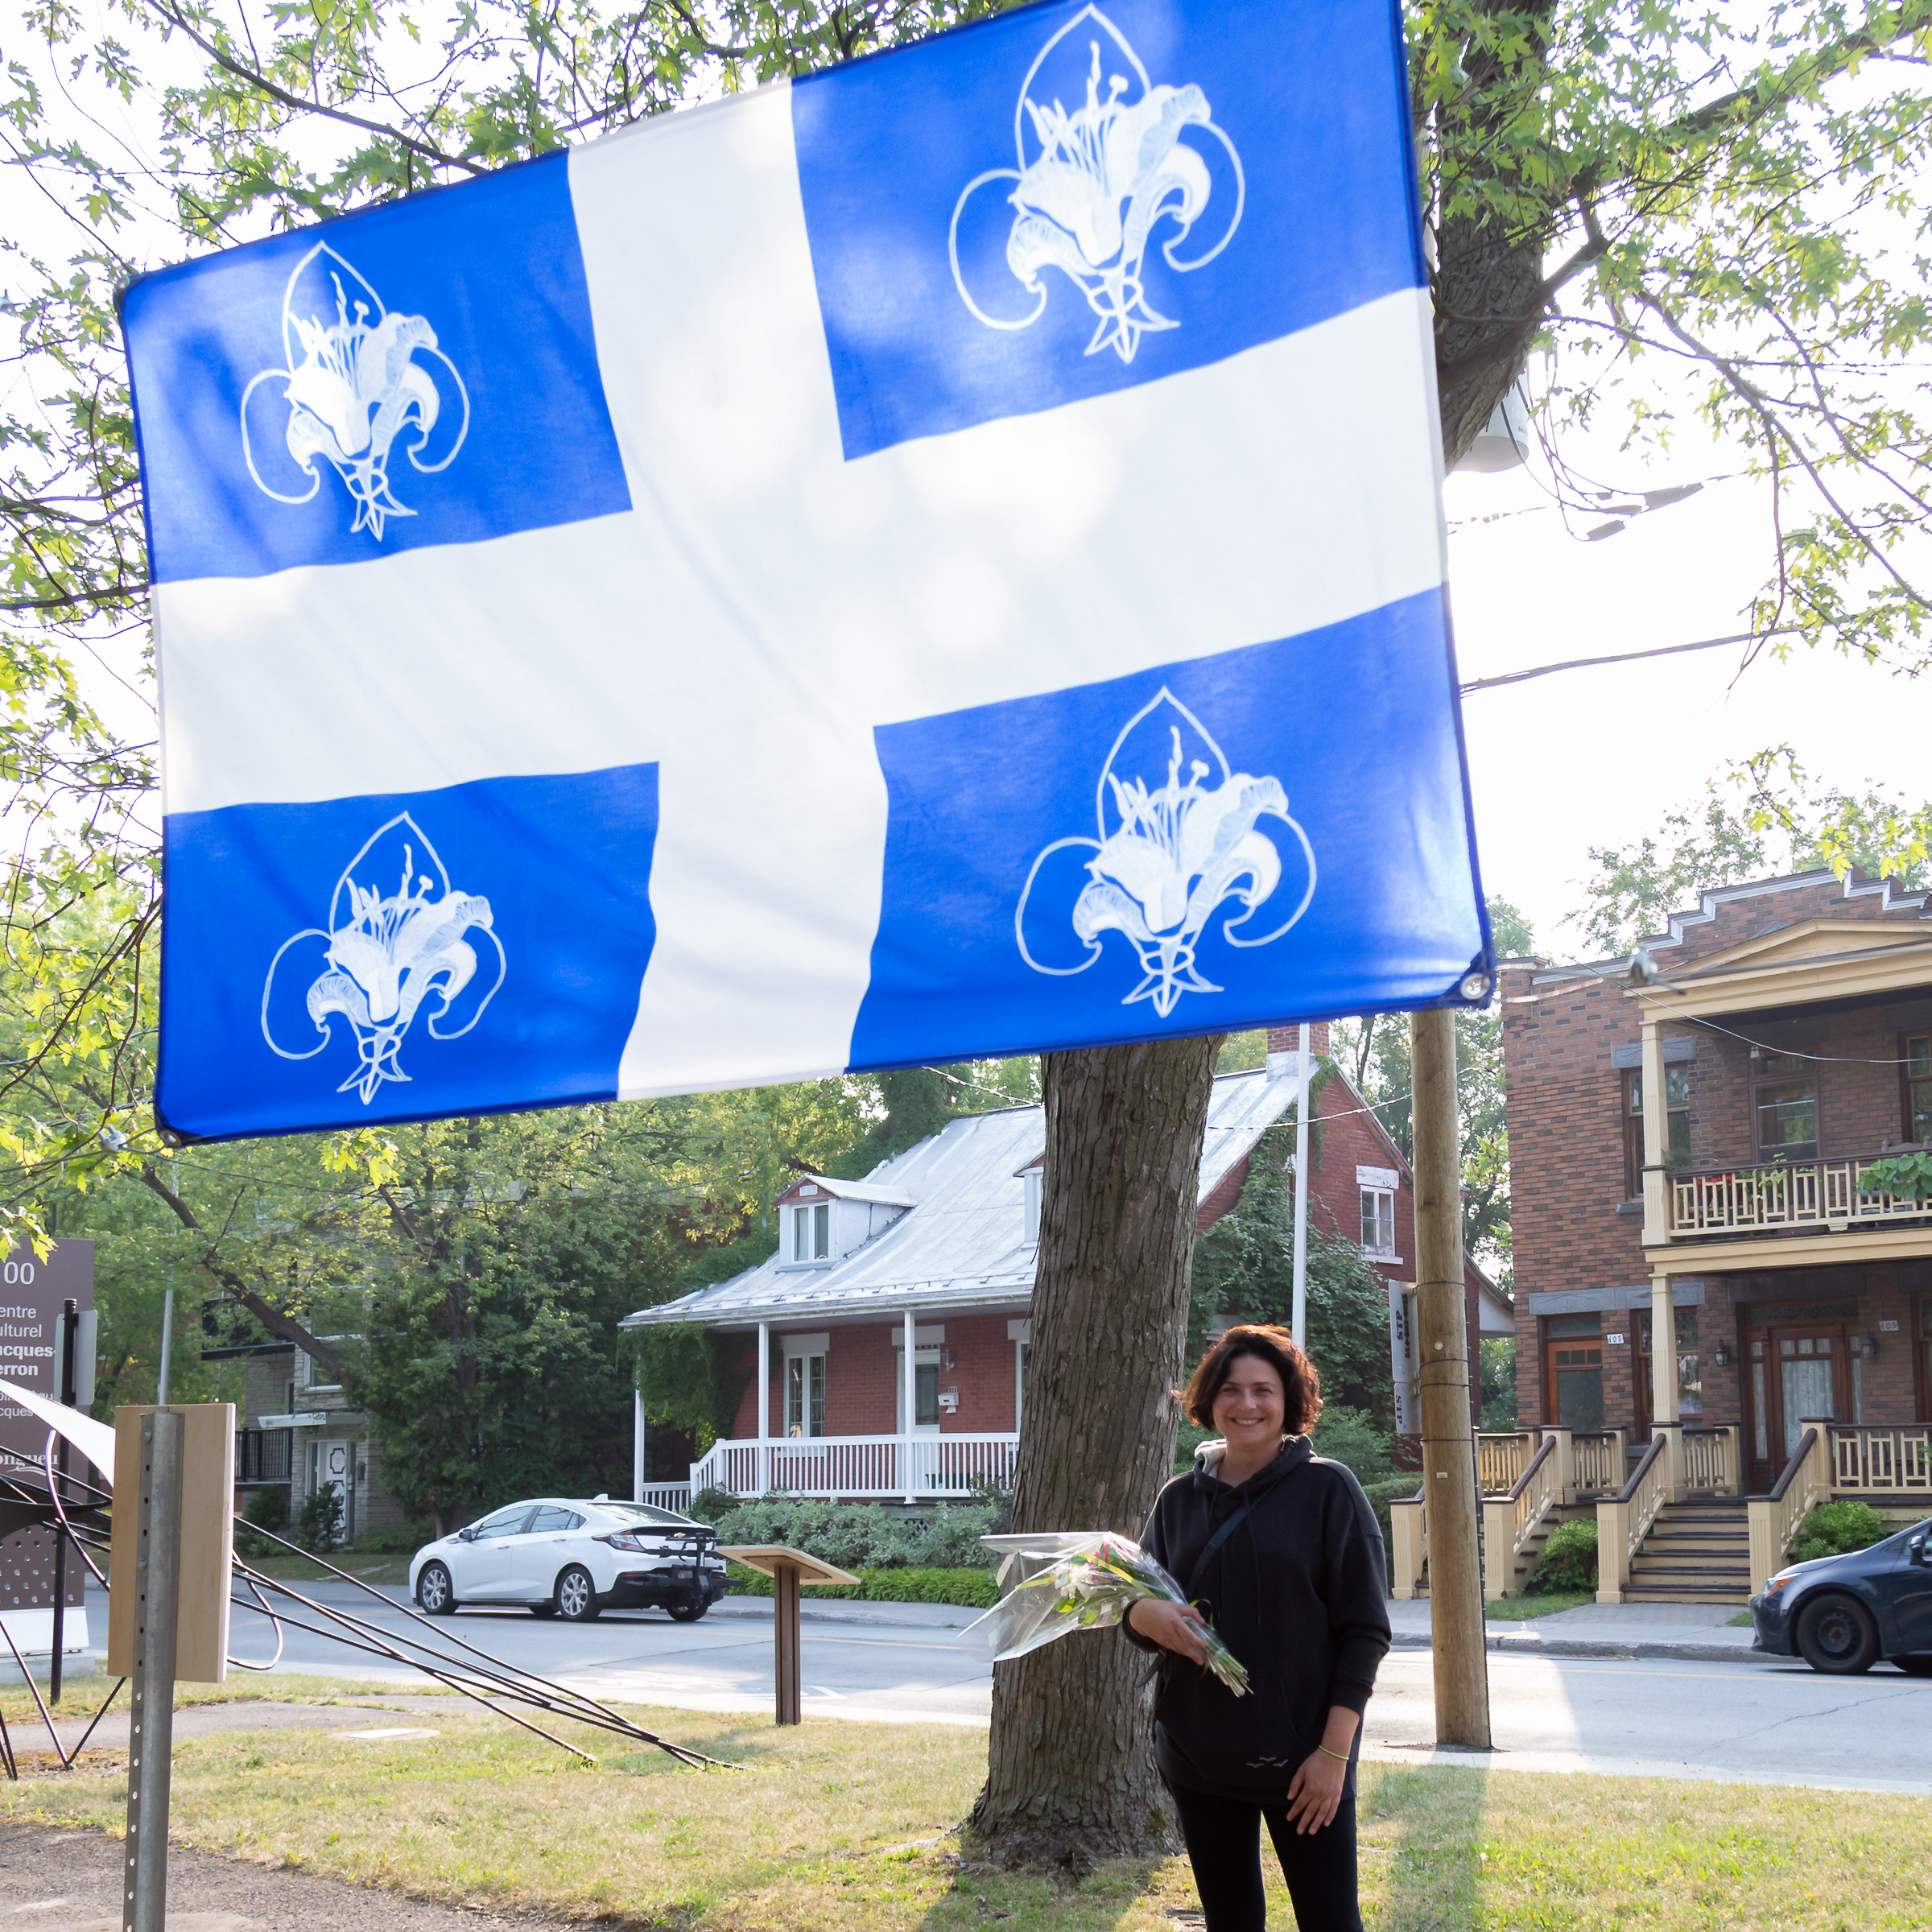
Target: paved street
1759 1721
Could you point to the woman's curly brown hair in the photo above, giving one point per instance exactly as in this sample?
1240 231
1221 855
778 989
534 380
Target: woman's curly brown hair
1301 1380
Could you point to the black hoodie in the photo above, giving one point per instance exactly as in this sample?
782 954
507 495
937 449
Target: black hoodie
1297 1592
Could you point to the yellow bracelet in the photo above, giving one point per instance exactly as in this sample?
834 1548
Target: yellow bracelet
1342 1754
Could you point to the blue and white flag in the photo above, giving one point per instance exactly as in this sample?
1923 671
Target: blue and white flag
940 559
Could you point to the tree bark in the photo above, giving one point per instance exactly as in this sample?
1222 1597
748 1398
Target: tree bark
1070 1779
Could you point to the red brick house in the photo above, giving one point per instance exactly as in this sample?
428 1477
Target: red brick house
907 1293
1787 1025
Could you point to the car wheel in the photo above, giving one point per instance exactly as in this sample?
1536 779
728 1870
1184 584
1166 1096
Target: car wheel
688 1609
543 1609
576 1598
1914 1666
1836 1635
434 1590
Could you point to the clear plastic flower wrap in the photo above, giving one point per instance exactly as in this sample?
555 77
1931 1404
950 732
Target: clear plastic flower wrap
1079 1579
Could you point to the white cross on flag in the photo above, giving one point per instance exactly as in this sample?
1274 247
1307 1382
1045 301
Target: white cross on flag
940 559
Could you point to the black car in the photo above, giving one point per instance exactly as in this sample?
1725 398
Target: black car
1844 1613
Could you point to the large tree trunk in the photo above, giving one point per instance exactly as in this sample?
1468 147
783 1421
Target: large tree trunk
1069 1777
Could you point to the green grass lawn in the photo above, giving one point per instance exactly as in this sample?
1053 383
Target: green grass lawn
834 1826
1513 1609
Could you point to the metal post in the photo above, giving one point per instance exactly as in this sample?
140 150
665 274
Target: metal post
785 1638
167 1344
69 1321
1449 1478
1298 1316
150 1739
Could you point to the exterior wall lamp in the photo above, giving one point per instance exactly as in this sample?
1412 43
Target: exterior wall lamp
1721 1355
1867 1345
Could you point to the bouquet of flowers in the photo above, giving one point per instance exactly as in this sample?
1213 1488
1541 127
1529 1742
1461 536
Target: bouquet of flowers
1083 1580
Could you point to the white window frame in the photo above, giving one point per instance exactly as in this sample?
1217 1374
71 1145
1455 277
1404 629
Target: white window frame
805 1390
1385 1206
1034 1179
811 1232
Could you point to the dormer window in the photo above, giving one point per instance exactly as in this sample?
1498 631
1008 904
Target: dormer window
1035 1179
811 1231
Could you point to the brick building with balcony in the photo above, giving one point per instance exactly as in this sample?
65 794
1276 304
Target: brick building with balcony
1750 1221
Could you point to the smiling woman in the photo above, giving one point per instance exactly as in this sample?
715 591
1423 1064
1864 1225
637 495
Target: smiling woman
1280 1548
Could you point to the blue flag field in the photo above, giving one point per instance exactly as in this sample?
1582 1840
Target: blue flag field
940 559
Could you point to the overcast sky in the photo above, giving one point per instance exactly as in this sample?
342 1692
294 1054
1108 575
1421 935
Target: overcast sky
1594 757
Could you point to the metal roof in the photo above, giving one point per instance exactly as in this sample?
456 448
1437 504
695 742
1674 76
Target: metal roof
962 1243
855 1191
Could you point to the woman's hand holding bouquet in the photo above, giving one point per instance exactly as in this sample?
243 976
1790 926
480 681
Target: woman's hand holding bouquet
1089 1581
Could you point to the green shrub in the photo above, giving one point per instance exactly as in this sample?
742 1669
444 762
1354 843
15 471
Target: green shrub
267 1509
711 1506
319 1525
863 1536
1354 1438
1568 1561
1837 1529
1381 1493
1187 1439
975 1589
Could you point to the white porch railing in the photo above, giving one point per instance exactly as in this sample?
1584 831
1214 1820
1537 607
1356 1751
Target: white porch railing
856 1466
667 1495
1779 1195
1876 1460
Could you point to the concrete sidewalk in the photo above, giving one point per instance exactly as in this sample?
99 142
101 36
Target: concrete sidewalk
1699 1633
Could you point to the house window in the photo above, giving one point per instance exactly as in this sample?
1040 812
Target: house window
1677 1130
1378 1221
1022 1354
805 1395
811 1232
1785 1109
1035 1179
1917 1057
1690 1365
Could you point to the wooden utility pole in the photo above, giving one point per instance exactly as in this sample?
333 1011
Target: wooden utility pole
1455 1572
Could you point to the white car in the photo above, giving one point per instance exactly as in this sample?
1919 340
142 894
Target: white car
557 1558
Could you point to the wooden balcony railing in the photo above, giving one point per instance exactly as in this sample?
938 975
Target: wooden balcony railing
1599 1461
1869 1460
1499 1459
1779 1195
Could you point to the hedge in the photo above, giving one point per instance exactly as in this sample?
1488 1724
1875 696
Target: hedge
973 1589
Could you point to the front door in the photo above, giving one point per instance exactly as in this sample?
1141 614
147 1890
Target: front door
1802 1379
1573 1375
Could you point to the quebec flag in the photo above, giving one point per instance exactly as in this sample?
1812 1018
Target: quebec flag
940 559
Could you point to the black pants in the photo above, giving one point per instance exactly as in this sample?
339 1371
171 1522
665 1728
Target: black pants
1224 1837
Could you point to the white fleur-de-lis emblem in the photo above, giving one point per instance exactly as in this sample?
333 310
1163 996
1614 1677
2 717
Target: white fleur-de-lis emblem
397 934
1093 184
1180 837
358 377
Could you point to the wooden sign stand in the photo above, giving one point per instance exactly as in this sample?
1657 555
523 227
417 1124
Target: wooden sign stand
790 1570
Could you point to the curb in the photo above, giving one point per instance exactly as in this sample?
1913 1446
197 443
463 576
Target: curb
1687 1652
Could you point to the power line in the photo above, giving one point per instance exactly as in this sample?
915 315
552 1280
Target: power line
1625 656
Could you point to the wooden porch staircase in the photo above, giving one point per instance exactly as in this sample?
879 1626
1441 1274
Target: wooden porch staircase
1696 1551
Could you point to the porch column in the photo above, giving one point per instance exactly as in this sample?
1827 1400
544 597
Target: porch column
1665 1419
909 1383
1657 1126
636 1444
764 1450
